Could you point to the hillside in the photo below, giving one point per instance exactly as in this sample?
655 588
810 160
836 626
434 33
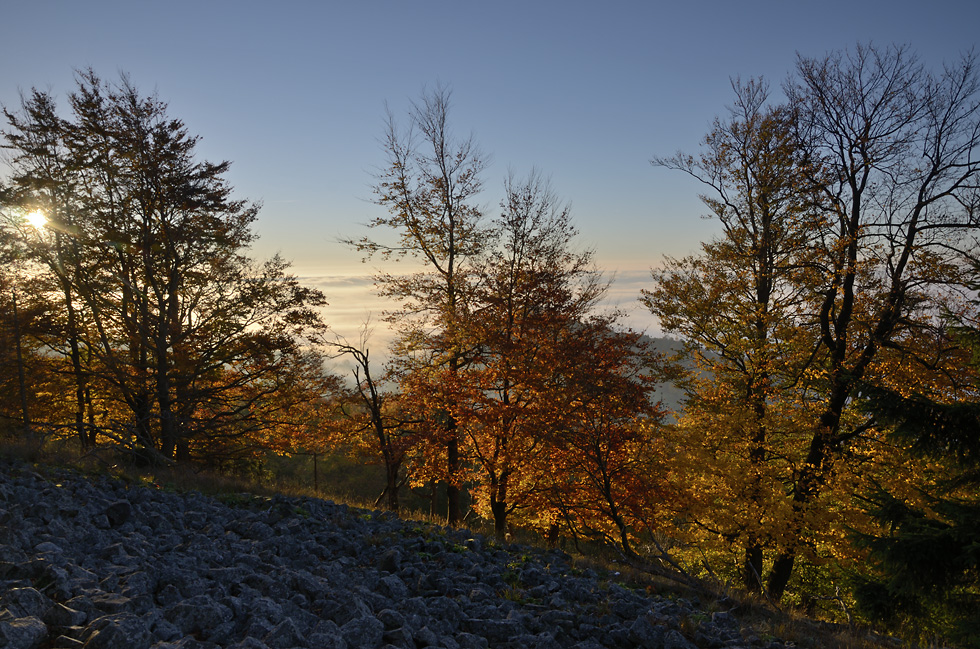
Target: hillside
103 563
668 393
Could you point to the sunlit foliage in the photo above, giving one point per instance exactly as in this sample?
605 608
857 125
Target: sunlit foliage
178 343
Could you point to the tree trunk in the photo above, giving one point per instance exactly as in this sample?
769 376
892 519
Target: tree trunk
752 567
81 380
808 487
21 380
782 570
168 422
391 488
498 504
452 489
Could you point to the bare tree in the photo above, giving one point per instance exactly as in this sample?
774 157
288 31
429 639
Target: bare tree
429 186
374 416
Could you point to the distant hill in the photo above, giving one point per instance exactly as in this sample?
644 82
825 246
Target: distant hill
668 393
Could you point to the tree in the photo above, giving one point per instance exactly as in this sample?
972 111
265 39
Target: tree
925 566
41 171
738 305
888 160
900 147
925 558
534 293
373 423
28 376
608 479
149 248
428 188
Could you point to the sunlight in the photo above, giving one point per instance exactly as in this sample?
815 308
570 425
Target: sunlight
37 219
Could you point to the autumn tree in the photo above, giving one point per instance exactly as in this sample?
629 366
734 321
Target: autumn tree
899 145
373 423
534 291
888 164
556 404
41 178
428 186
739 306
27 375
609 480
924 571
194 338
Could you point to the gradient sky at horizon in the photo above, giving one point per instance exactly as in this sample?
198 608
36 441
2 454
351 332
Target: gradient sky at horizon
294 94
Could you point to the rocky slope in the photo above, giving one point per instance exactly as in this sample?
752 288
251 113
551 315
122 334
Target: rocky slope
102 564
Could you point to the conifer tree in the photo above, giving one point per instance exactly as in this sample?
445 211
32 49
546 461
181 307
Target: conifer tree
927 555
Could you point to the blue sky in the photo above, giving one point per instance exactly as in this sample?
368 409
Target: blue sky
293 93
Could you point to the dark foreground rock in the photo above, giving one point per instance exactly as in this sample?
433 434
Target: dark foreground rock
102 564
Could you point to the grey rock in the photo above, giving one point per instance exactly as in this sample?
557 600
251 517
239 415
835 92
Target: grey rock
471 641
643 633
169 595
110 602
327 636
121 631
248 643
25 602
22 633
425 637
391 560
197 614
48 548
392 587
186 643
588 644
724 619
674 640
118 512
265 608
496 630
391 618
62 616
140 568
400 637
364 632
284 636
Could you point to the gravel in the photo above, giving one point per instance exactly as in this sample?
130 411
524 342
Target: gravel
101 563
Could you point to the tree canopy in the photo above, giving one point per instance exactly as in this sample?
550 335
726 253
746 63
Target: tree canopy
179 343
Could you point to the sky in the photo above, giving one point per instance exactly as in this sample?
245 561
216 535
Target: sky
294 94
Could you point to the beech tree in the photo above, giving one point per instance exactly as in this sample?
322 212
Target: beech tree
534 291
900 146
922 571
30 378
609 480
429 185
149 247
41 168
374 424
886 180
740 307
